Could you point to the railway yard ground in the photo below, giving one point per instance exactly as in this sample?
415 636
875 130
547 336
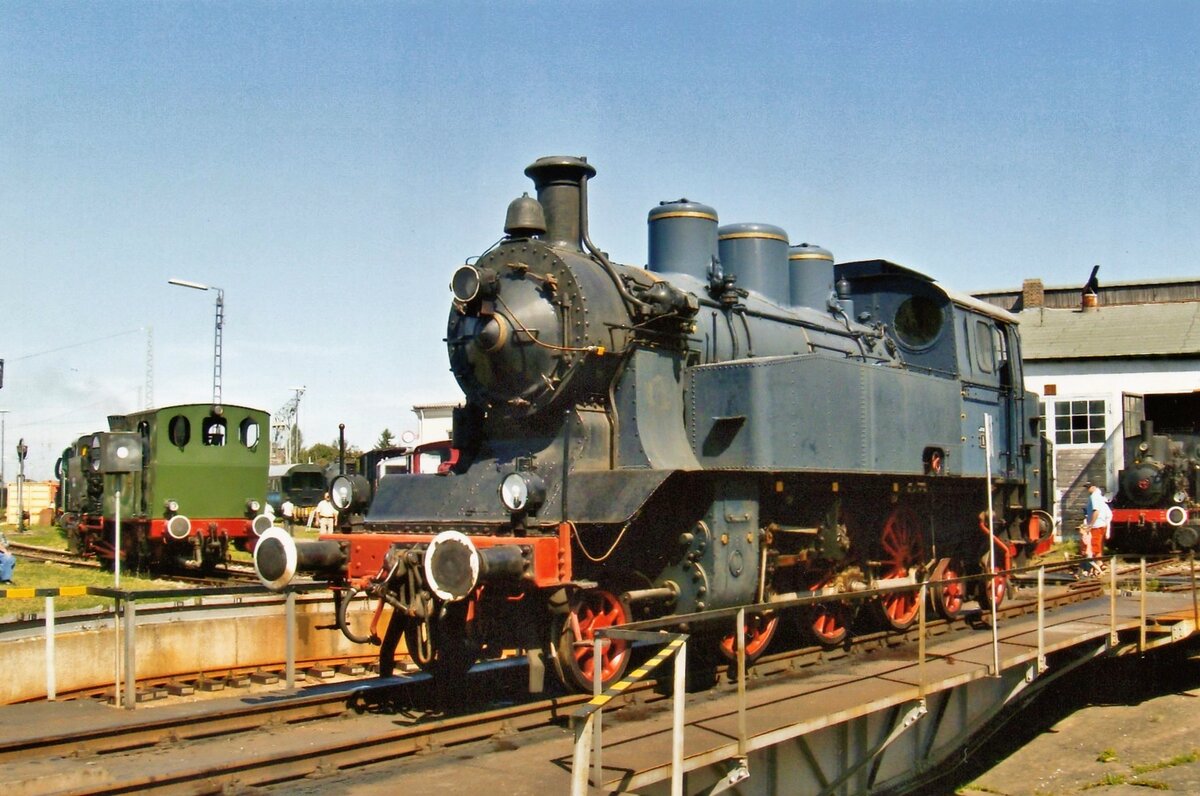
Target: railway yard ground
1119 730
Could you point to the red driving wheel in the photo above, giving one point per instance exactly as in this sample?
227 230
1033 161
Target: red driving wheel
948 598
901 542
828 623
592 610
759 632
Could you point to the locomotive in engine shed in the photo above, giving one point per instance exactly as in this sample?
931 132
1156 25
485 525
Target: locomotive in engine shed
741 421
1157 506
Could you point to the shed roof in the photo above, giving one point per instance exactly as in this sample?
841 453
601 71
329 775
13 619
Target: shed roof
1133 330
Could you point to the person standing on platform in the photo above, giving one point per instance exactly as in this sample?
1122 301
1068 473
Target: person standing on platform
1099 523
288 510
326 515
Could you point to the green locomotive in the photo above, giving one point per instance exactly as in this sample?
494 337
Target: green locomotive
186 482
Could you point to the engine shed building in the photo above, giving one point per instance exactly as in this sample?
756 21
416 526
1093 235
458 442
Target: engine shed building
1103 359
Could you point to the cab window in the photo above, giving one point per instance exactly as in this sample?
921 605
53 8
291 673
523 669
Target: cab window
985 346
179 431
248 433
214 430
918 322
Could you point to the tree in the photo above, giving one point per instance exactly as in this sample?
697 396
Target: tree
386 440
321 453
327 453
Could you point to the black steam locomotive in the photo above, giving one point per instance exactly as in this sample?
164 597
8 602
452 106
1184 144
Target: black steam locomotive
1156 507
740 422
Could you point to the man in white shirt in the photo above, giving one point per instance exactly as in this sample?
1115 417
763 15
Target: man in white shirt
326 515
288 510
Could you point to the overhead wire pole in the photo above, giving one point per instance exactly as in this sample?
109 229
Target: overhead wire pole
216 335
284 422
217 350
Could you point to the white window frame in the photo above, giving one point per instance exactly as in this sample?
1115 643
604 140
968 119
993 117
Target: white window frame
1051 420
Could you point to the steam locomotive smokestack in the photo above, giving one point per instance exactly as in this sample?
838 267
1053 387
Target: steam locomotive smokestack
559 183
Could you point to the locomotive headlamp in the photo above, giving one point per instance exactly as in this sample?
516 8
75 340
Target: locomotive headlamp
1180 496
342 493
96 453
522 492
350 492
253 506
172 506
470 283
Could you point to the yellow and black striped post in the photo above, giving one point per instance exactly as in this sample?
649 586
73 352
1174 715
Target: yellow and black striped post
15 593
586 720
636 676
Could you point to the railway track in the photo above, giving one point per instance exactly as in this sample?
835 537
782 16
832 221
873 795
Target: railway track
286 739
235 573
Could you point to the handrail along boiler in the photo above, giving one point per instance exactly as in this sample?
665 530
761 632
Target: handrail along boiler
740 421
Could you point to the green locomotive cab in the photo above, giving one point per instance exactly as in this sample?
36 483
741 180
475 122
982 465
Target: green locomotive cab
183 482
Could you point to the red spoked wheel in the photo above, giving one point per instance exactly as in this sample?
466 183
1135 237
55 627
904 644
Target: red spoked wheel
993 590
574 656
826 623
760 630
902 543
947 598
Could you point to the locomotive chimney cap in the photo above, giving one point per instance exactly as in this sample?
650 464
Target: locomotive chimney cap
569 162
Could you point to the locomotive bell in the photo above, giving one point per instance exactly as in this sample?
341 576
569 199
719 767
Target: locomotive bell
525 217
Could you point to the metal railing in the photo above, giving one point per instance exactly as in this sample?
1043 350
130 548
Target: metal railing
587 722
124 613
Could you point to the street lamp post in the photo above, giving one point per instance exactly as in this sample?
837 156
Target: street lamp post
22 450
3 450
216 336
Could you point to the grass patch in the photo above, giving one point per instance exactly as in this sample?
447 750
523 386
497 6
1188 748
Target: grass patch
1058 553
1177 760
1108 781
39 535
1107 756
46 575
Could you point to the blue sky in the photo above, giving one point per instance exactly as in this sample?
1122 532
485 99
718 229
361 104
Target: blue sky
330 164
